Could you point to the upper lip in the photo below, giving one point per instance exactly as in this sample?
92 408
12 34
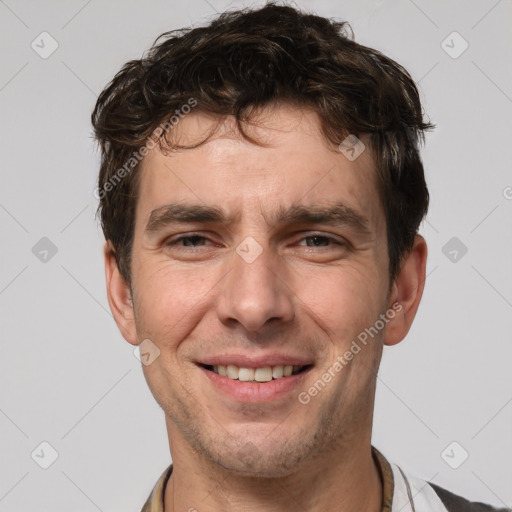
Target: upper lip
253 361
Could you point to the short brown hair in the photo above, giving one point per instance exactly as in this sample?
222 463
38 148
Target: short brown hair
252 58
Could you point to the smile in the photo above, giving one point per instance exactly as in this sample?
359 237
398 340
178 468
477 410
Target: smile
255 383
261 374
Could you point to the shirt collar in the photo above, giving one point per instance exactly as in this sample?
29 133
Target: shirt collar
155 501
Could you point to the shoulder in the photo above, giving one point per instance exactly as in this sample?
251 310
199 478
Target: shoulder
413 494
455 503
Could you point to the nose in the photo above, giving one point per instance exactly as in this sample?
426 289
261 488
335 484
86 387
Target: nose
256 293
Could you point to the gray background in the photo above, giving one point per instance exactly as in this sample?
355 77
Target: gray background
68 377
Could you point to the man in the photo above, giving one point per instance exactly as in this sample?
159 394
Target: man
260 191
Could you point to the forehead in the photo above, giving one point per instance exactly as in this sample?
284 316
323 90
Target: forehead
292 164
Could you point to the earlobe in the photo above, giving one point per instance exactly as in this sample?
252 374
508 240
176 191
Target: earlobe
119 296
407 291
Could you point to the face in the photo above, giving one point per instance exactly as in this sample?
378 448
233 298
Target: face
237 262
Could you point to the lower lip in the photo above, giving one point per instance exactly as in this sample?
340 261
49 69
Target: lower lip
251 392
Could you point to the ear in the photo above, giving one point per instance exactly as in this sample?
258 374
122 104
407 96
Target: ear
406 292
119 296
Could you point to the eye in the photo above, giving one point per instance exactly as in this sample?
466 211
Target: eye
322 241
313 243
191 240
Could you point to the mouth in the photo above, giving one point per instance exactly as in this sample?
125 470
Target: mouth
252 377
256 382
256 375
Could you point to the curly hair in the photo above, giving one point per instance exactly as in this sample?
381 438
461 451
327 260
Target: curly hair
252 58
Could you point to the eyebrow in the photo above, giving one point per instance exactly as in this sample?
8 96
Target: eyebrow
332 215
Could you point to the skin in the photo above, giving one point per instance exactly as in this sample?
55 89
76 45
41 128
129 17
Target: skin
299 296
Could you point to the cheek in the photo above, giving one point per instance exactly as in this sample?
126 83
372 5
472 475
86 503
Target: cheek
169 302
343 302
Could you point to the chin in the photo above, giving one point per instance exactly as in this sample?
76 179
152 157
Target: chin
260 458
260 467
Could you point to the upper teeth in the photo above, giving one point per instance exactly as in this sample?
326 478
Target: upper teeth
264 374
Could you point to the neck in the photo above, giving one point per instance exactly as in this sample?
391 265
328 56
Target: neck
345 479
